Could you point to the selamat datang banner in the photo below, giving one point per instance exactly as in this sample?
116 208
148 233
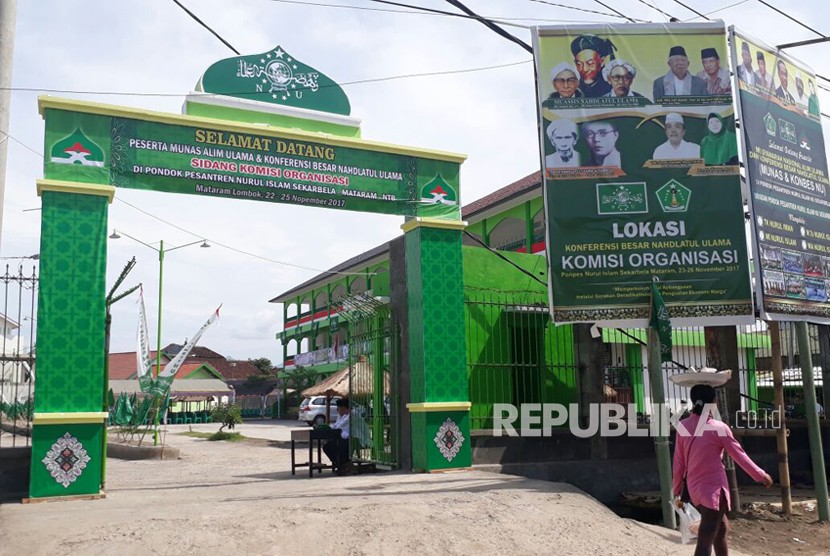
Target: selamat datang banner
139 149
786 169
641 174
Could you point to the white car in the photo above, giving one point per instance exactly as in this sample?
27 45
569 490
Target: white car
313 410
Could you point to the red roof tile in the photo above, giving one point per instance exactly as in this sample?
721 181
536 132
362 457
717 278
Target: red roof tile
122 365
515 189
233 370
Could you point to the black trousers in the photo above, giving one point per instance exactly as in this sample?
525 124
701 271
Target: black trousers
337 451
714 525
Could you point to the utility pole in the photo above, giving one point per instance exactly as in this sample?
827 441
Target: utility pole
661 439
781 433
722 354
8 18
824 363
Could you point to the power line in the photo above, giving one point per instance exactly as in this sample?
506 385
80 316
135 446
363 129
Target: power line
24 145
230 248
654 7
433 73
343 84
727 7
205 25
607 7
416 11
433 11
694 11
556 5
505 259
788 16
490 25
802 43
421 11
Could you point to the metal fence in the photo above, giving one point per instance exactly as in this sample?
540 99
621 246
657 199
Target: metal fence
627 380
17 355
514 354
258 406
517 356
373 385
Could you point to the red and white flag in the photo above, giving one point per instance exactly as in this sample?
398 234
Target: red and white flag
169 373
143 366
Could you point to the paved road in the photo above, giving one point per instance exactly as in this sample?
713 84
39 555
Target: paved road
268 430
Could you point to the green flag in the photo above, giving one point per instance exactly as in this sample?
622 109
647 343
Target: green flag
660 321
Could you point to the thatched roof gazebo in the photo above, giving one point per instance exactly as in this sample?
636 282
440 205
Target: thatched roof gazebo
339 383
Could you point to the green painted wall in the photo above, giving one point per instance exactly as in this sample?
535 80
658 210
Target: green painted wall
503 344
201 372
634 363
752 379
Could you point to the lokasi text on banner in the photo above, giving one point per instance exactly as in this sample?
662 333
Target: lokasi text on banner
641 177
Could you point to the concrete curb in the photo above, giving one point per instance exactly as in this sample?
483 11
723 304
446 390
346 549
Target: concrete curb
126 451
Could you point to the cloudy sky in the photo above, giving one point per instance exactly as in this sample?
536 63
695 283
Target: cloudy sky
149 54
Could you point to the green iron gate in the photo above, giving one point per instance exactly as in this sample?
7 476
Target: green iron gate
374 394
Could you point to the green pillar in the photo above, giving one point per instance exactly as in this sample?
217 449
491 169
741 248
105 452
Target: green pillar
69 421
528 228
440 408
634 362
751 379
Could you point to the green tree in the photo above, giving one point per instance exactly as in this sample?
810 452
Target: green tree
300 378
228 414
263 364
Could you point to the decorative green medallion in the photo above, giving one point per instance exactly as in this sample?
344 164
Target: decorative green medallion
770 125
786 130
275 77
674 196
622 198
77 148
437 190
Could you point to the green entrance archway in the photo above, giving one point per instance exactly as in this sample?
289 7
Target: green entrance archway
93 149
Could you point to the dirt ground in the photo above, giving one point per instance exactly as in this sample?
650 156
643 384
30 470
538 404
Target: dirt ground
241 497
763 530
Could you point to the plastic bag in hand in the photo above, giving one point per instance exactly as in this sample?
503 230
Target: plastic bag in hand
689 522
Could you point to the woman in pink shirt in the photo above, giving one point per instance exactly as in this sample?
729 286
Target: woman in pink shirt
698 457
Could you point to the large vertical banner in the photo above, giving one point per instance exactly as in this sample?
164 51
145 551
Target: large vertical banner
641 174
786 169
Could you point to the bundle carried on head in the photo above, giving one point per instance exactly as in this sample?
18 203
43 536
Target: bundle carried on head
703 375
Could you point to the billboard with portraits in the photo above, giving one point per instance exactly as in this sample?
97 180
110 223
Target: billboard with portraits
641 173
786 170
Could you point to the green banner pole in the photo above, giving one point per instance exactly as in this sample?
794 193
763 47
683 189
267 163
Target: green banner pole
158 336
661 440
813 428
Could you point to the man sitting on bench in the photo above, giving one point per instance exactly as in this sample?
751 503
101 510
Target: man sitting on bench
338 450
